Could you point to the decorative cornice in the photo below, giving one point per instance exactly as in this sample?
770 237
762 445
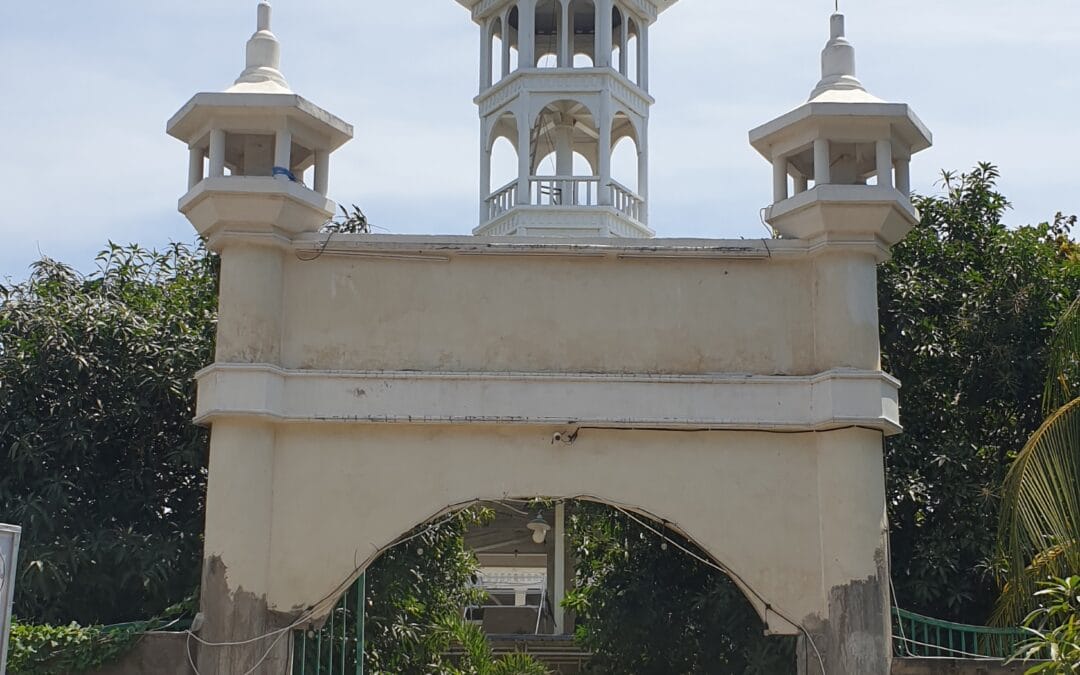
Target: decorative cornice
830 400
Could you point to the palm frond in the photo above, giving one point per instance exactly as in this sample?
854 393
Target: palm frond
1064 359
1039 533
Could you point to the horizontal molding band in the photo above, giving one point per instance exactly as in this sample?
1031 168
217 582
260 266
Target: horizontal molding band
830 400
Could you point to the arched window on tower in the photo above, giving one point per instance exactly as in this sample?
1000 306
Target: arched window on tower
548 33
495 55
627 169
582 33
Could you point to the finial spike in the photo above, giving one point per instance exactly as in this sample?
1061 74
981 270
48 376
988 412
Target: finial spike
263 69
838 28
264 15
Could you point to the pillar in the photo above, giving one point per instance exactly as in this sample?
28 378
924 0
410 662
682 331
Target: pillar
485 175
884 163
604 147
506 43
643 56
603 33
486 56
564 160
283 149
195 167
643 171
524 150
903 176
322 172
560 581
526 34
780 179
217 153
802 184
822 162
855 637
236 566
624 45
566 37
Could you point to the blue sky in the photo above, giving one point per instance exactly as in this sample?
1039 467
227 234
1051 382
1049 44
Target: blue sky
88 86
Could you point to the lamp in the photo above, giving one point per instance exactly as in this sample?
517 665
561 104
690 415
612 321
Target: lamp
539 528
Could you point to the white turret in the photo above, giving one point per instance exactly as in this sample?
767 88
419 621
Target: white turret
559 80
255 141
825 153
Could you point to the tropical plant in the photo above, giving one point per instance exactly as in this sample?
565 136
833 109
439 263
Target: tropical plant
477 657
1039 534
102 465
1055 629
968 307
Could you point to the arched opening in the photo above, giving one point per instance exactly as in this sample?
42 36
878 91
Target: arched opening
582 30
563 158
500 167
548 33
614 587
618 26
624 163
504 163
495 55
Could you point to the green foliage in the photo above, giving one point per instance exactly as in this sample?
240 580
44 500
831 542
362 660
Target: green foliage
967 309
414 591
1055 628
1039 533
103 468
60 650
646 608
477 657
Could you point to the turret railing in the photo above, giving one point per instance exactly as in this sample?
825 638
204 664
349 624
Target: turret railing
566 191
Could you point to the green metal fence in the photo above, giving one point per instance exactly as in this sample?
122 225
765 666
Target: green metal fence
338 647
916 635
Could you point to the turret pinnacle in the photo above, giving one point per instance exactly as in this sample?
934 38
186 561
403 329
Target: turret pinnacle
262 73
838 80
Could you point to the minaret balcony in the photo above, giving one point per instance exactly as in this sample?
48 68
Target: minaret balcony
562 83
566 206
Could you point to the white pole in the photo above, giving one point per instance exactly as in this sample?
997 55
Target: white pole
884 163
822 163
217 153
9 555
560 568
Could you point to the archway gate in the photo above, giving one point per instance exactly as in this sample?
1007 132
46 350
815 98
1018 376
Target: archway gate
712 383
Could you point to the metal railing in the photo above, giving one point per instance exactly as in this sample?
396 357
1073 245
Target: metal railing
915 635
338 647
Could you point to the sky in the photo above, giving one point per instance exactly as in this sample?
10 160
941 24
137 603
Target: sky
88 86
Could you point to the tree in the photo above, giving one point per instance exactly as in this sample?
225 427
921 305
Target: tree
1039 533
646 607
967 308
103 467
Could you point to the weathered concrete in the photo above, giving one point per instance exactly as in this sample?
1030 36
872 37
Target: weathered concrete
955 667
156 653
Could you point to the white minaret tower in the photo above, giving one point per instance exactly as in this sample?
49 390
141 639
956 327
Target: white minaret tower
826 152
564 81
254 151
